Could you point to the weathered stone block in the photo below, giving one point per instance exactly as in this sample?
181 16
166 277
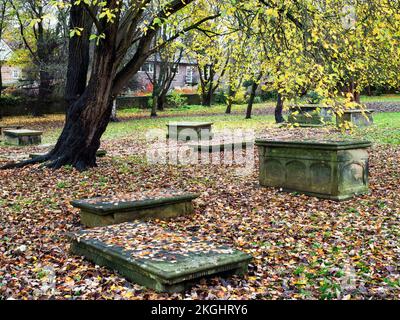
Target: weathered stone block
310 115
22 137
190 131
157 258
106 211
336 170
359 118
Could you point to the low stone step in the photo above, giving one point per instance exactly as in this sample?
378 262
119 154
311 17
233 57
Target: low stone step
157 258
105 211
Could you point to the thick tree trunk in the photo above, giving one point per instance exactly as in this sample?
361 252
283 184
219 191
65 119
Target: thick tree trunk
279 109
162 100
87 117
86 121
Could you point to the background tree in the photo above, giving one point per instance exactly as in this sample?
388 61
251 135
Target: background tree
43 30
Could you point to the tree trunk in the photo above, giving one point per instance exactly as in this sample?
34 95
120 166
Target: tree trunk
279 109
162 100
254 87
87 118
113 117
249 110
86 121
229 100
355 94
154 106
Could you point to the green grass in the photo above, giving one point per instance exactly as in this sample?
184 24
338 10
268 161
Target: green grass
386 129
381 98
195 110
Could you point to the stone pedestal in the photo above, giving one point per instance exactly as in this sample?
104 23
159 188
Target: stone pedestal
102 211
310 115
157 258
360 118
22 137
190 131
336 170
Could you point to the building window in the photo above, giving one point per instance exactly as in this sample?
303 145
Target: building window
15 74
176 70
189 75
147 67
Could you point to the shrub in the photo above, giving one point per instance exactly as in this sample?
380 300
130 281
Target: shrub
176 100
258 99
313 98
269 95
220 97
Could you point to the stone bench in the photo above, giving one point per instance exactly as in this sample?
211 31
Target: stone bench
22 137
185 131
360 118
100 153
310 115
159 259
336 170
106 211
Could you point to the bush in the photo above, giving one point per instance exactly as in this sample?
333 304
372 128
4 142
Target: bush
313 98
176 100
10 100
258 99
220 97
269 95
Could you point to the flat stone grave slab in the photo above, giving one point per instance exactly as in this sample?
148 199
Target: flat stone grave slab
211 147
336 170
151 204
100 153
190 131
310 115
22 137
360 118
155 257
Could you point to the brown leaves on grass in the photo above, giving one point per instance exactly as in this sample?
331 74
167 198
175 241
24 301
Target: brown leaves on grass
303 247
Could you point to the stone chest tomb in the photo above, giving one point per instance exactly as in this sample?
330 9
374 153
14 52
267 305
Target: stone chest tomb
336 170
312 115
129 207
155 257
22 137
190 131
360 118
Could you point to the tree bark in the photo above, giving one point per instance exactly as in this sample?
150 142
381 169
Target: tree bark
254 87
113 117
279 109
154 106
229 101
